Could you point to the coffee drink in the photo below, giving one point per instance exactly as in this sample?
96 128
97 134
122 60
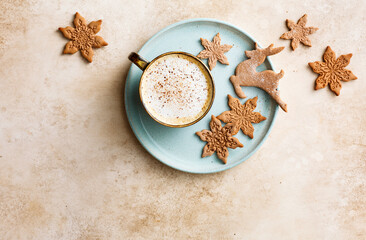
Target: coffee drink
176 89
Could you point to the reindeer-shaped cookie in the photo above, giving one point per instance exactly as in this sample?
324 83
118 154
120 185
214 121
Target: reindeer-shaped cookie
246 74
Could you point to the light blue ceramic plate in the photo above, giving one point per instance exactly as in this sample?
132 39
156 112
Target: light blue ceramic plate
180 148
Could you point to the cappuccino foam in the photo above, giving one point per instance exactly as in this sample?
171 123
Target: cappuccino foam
176 89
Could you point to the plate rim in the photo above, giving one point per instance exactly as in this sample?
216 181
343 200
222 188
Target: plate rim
142 142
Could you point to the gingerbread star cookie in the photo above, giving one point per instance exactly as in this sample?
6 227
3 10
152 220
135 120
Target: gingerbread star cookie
332 71
298 32
218 139
83 37
242 116
214 51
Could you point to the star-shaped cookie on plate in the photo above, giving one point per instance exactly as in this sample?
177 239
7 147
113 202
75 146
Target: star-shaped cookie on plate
298 32
214 51
83 37
332 71
242 116
218 139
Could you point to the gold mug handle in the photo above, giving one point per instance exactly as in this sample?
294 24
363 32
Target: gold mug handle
138 60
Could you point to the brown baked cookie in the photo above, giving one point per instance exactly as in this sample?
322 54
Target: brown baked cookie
218 139
298 32
242 116
83 37
247 75
332 71
214 51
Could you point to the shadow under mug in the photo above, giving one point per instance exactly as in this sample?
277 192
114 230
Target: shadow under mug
144 65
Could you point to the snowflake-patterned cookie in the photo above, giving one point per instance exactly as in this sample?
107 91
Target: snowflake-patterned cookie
242 116
332 71
214 51
218 139
298 32
83 37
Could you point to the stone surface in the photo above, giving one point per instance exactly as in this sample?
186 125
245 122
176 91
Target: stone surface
71 168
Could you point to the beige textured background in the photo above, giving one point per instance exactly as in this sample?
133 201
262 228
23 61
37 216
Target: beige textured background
71 168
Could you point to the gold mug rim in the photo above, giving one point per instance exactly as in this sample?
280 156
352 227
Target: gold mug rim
212 85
